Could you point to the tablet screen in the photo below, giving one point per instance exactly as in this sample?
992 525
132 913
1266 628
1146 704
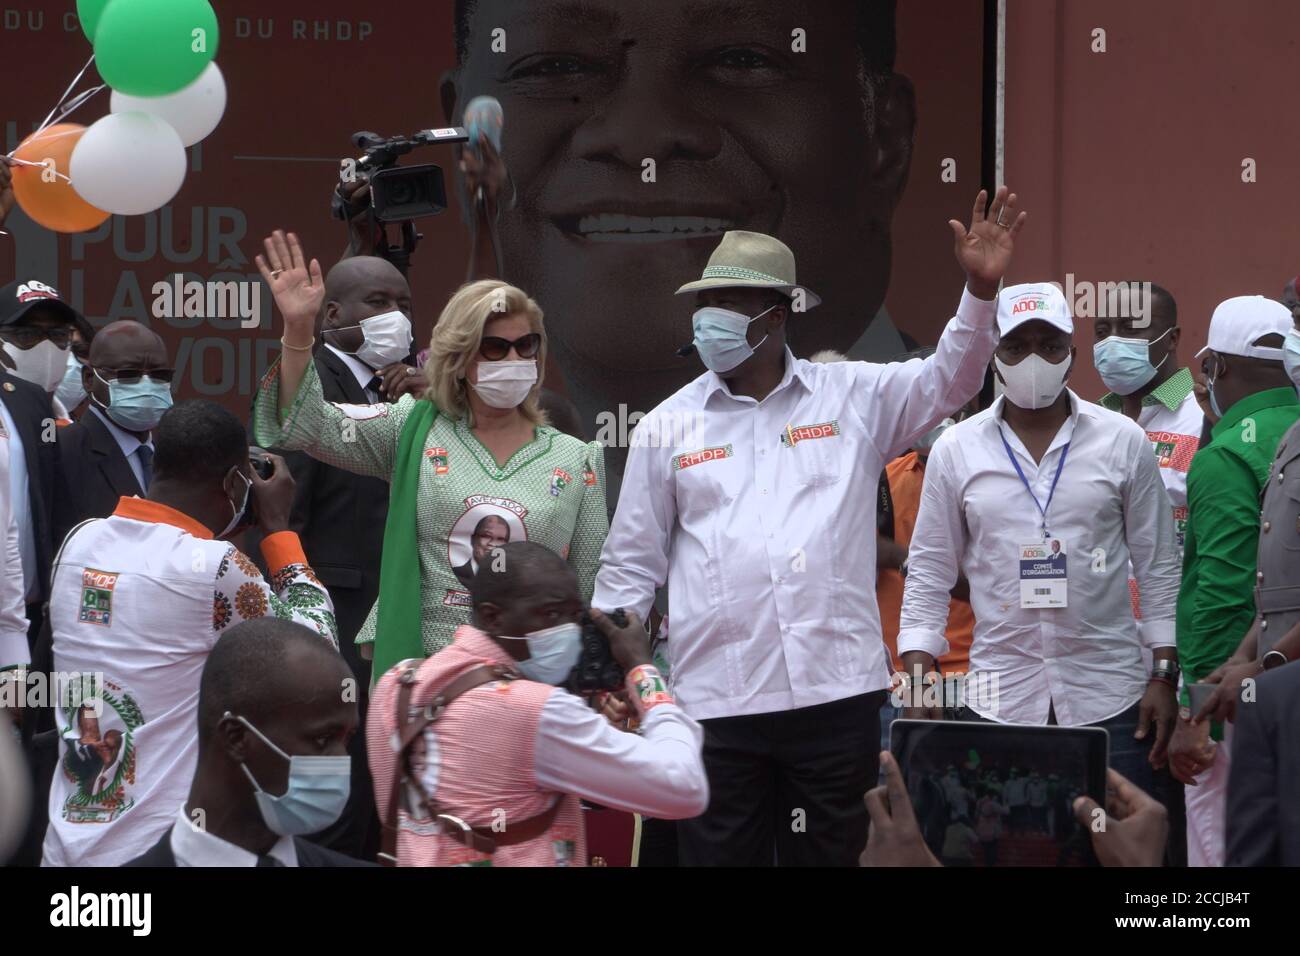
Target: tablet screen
1001 794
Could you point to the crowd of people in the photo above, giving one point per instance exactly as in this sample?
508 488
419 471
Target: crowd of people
341 630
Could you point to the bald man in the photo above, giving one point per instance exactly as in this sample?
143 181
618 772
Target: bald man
272 693
339 516
108 453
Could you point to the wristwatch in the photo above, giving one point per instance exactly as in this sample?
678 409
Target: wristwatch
1165 670
1272 659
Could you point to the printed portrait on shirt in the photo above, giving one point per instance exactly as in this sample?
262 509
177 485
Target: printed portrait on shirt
486 525
98 725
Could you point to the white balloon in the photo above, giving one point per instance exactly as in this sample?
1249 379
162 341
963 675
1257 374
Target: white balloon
128 163
193 112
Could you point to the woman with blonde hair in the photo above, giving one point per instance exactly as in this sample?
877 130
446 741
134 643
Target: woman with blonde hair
472 462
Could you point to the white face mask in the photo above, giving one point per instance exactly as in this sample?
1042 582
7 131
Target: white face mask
43 364
506 383
1033 382
239 511
387 339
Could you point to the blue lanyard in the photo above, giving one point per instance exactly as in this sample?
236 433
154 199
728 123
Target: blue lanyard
1025 481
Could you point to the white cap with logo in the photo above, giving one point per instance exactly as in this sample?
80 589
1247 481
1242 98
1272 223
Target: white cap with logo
1033 301
1238 323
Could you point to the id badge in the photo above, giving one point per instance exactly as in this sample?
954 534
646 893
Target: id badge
1043 574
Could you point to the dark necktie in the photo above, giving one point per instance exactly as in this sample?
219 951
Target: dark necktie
265 859
374 389
145 454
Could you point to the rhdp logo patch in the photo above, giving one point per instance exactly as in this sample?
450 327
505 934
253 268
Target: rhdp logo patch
682 462
97 596
438 458
559 481
796 434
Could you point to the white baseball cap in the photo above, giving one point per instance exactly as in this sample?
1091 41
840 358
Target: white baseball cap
1238 323
1042 301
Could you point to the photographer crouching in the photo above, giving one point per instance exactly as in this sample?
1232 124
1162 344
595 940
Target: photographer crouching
479 758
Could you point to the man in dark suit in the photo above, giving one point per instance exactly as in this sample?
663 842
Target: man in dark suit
108 454
340 516
1263 815
491 532
273 732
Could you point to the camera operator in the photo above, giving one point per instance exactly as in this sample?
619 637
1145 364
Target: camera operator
484 175
138 600
494 777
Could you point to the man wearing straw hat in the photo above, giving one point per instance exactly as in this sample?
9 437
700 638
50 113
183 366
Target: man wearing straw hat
750 493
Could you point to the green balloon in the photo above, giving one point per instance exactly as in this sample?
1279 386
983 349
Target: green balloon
88 12
154 47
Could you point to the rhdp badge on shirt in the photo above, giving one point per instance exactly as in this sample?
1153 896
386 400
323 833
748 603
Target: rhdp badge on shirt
1043 574
438 458
97 597
559 481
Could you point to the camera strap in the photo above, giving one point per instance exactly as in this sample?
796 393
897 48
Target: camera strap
411 722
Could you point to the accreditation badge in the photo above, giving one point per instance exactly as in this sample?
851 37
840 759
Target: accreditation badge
1043 574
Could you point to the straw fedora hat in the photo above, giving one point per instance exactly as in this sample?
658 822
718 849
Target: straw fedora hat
750 260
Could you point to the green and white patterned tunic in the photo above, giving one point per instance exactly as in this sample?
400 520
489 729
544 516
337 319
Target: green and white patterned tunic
551 491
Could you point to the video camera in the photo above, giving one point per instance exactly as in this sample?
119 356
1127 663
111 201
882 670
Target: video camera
596 669
399 194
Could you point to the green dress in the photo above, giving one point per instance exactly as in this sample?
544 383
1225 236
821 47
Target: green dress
551 491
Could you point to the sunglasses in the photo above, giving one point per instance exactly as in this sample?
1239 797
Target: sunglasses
494 348
26 338
129 376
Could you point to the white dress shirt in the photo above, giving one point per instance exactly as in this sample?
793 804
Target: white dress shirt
1109 507
129 444
768 544
20 502
362 372
657 772
195 847
13 612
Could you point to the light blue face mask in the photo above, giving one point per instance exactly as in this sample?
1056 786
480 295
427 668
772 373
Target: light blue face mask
138 406
720 337
923 444
1291 356
1125 364
553 653
317 792
70 392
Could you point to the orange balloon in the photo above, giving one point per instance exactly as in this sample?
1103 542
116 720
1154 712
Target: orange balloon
50 199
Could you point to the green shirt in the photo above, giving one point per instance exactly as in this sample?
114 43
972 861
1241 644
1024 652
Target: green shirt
1216 603
1169 393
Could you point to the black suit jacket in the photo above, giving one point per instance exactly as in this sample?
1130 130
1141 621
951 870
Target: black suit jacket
1264 782
340 516
93 474
30 408
309 854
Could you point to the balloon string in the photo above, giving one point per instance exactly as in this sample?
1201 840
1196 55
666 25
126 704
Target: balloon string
71 86
15 161
77 101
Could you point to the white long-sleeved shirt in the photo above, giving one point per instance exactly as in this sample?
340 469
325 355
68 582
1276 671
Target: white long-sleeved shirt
13 611
138 600
1109 507
657 773
19 501
760 517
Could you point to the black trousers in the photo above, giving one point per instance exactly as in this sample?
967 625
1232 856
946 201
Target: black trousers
786 788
